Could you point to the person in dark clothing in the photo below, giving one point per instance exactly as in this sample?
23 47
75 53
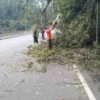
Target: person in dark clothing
35 37
43 31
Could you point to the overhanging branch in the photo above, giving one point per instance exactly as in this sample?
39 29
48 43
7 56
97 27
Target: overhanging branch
48 2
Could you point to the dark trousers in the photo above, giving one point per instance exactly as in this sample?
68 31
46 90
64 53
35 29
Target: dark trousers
50 44
43 36
35 39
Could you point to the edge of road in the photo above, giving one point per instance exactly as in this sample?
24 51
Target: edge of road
7 37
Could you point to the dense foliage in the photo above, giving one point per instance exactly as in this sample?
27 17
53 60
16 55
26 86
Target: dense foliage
77 18
78 22
9 14
22 14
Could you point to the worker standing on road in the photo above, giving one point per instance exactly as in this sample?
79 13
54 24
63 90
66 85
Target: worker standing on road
35 35
49 36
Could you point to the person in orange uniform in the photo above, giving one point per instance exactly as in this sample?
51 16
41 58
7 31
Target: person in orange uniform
49 35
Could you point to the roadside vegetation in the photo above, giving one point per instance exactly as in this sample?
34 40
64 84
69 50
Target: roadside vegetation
74 43
85 57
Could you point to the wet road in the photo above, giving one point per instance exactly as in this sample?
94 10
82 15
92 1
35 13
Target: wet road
58 83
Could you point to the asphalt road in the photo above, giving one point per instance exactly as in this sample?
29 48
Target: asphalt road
58 83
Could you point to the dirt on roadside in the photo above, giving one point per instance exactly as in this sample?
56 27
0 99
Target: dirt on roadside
87 58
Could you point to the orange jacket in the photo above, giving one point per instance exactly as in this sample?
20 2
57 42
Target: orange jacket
49 36
48 32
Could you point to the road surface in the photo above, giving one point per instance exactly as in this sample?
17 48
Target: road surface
58 83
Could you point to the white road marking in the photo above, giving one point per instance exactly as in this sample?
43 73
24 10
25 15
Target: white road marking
6 48
85 85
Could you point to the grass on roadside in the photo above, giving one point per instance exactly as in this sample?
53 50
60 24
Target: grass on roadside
82 56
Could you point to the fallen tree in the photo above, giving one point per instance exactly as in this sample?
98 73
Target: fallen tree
77 23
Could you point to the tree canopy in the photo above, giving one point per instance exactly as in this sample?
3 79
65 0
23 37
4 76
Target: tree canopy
77 20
